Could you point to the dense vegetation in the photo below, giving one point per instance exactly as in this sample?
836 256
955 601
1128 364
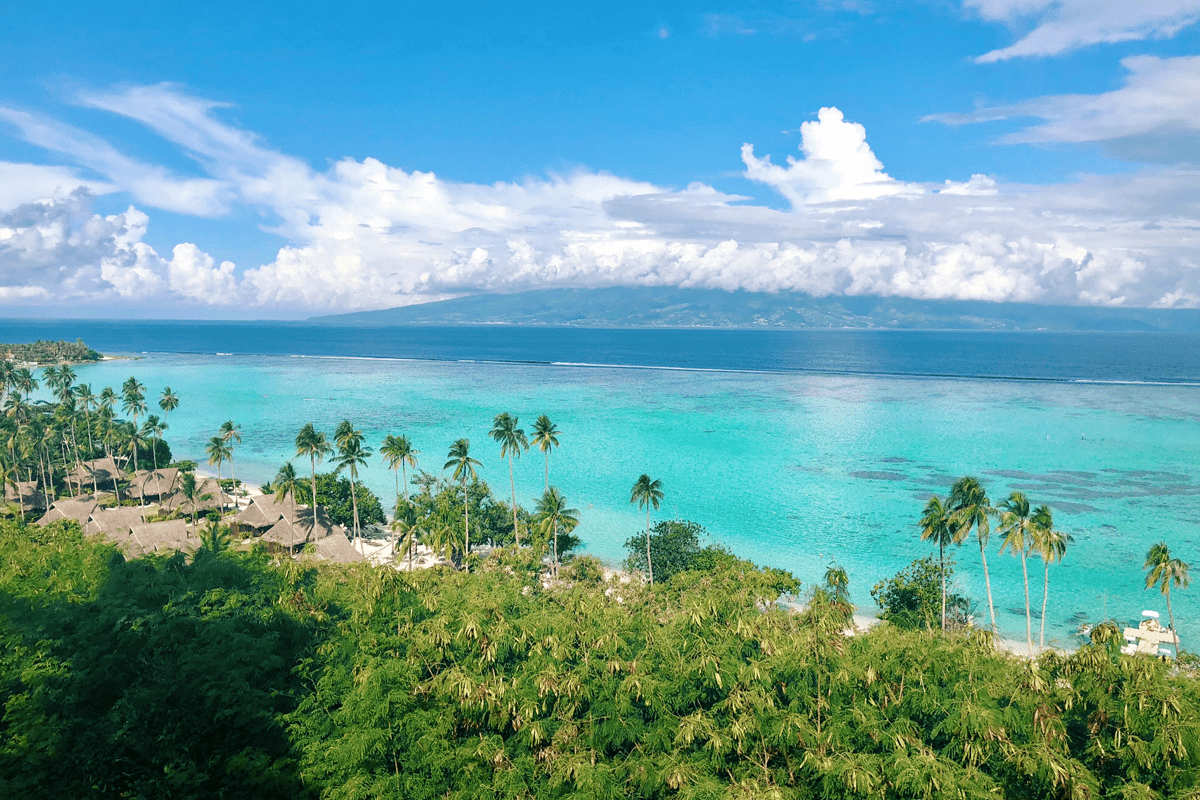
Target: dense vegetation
45 352
234 676
333 494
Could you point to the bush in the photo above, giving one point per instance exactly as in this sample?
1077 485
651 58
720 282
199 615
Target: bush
673 545
913 597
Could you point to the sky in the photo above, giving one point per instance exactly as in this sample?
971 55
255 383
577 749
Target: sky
279 161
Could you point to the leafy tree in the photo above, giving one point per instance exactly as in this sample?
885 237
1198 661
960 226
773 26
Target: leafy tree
912 598
647 493
334 495
1164 571
512 443
674 546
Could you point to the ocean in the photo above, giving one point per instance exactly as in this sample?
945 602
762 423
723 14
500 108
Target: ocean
796 449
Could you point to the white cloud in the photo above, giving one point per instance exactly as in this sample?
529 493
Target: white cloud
362 234
27 183
1155 116
1059 26
838 164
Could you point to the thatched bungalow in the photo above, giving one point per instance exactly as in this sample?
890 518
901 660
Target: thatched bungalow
264 511
294 533
153 537
178 502
79 509
152 485
337 549
26 493
114 523
104 471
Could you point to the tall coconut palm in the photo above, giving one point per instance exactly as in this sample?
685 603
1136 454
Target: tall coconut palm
168 401
312 443
971 509
231 433
935 527
86 401
552 510
512 443
647 493
400 454
137 439
153 429
133 402
1163 572
24 382
350 456
284 485
218 453
1017 528
464 466
545 438
1051 545
191 493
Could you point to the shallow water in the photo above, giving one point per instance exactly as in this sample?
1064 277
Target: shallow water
787 468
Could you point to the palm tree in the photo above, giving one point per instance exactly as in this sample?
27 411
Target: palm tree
837 583
545 438
218 453
9 476
168 401
400 454
1016 525
1164 571
137 439
24 382
459 457
1051 545
350 456
133 402
971 508
190 493
552 510
312 443
647 492
216 538
231 433
935 527
512 443
284 484
84 396
153 429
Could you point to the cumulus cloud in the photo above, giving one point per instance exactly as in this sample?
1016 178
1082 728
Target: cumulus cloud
1155 116
838 164
1059 26
362 234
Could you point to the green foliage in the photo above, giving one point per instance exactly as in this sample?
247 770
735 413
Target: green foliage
333 492
47 352
912 598
239 676
154 449
675 548
441 501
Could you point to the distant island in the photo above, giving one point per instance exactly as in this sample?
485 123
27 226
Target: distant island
45 352
638 307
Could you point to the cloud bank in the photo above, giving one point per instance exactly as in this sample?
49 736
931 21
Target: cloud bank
363 235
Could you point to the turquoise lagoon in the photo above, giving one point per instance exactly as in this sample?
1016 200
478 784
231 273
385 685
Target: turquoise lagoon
791 470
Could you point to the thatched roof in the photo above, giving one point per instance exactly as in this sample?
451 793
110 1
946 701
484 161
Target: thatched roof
178 502
26 491
104 469
116 521
157 483
79 509
337 549
264 511
154 536
293 534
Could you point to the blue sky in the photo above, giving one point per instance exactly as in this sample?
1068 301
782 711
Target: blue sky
249 134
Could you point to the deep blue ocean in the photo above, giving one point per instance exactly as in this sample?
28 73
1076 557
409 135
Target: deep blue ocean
796 449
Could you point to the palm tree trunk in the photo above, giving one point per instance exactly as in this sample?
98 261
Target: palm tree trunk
354 505
405 471
942 563
512 484
1028 617
312 527
396 472
1045 597
556 549
649 565
547 454
987 582
92 452
466 525
1171 616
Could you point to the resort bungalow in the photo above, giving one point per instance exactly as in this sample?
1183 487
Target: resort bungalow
153 537
152 485
337 549
114 523
179 502
79 509
304 528
26 493
103 472
264 511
